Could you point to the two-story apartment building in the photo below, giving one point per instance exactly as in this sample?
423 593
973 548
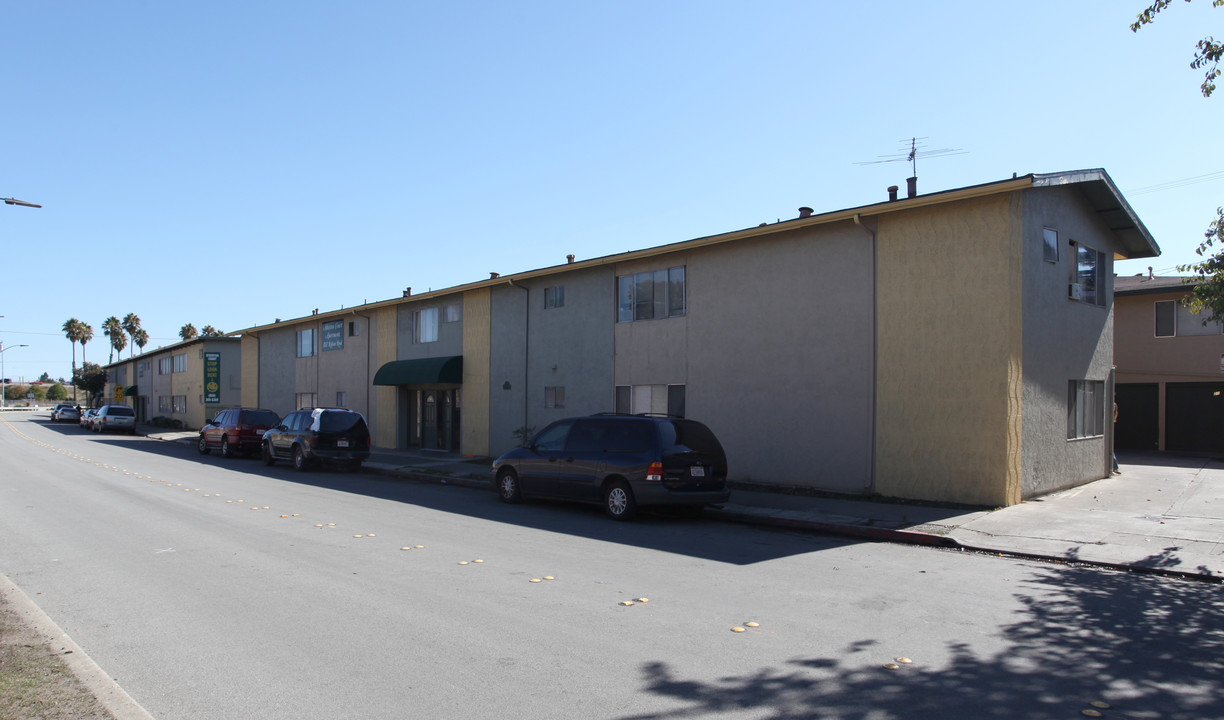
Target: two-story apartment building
955 346
1170 368
188 381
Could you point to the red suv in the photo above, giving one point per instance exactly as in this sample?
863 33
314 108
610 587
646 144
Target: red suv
236 430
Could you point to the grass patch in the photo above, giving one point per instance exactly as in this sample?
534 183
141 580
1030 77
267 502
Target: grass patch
35 683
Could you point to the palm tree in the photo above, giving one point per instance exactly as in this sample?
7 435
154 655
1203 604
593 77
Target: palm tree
85 336
210 331
72 330
111 327
188 332
140 338
131 323
118 342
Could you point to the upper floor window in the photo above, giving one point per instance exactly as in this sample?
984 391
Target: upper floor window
1088 281
425 325
1166 318
180 363
354 328
306 343
1049 237
651 295
165 366
452 313
554 297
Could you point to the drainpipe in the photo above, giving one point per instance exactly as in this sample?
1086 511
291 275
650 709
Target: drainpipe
875 344
526 345
369 387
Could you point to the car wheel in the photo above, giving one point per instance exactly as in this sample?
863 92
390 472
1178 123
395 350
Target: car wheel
202 446
353 466
619 502
299 459
508 487
265 453
226 451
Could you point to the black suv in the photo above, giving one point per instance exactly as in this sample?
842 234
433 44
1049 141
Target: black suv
620 461
236 430
306 437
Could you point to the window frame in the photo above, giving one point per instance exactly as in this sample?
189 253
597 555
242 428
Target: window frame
303 336
652 295
419 323
1085 409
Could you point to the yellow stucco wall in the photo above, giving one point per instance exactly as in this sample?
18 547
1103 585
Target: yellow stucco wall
949 352
477 319
385 396
250 371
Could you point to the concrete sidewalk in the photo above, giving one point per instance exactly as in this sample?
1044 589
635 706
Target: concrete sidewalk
1163 514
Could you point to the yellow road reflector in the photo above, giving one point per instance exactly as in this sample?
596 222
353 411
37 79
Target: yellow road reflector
478 560
626 603
420 547
265 507
356 536
892 666
229 501
463 562
370 535
405 548
1099 704
646 600
752 624
331 524
549 577
318 524
284 516
535 579
737 629
1091 713
904 660
297 514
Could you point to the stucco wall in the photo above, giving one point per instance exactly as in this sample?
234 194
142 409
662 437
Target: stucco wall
277 353
1192 355
1064 340
775 352
250 371
949 353
383 419
507 366
474 431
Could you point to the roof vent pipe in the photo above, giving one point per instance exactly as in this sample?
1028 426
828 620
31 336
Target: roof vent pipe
892 193
407 291
805 212
569 259
911 187
494 276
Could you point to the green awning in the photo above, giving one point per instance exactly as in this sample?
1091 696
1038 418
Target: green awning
423 371
130 391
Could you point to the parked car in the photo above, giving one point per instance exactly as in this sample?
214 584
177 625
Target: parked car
87 417
236 430
65 412
308 437
620 461
120 418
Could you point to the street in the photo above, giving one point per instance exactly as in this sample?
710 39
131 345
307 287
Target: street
214 588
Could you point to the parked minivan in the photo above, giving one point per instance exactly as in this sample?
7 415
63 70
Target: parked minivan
620 461
114 417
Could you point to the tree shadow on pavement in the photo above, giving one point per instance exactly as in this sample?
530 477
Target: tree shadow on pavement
1147 647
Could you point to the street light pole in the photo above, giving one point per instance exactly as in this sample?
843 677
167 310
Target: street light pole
2 379
23 203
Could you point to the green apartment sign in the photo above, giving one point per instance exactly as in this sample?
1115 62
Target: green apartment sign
333 335
212 377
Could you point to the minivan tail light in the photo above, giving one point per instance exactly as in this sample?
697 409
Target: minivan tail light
654 473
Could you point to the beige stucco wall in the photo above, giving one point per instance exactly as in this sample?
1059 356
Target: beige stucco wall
384 420
948 411
1192 355
474 419
250 371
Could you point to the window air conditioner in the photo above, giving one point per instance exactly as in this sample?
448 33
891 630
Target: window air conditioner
1075 291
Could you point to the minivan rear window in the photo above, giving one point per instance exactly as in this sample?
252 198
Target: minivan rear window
686 436
121 411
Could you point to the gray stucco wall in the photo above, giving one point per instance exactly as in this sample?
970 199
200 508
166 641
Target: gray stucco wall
776 353
575 339
277 357
1064 340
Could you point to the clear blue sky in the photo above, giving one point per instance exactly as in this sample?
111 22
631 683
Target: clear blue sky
229 163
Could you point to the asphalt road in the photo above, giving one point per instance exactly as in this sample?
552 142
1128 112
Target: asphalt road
222 589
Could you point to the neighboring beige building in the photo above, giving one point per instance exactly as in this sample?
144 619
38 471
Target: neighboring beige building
1170 368
955 347
189 381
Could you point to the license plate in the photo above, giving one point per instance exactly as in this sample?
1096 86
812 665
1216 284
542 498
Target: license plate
696 471
260 432
342 443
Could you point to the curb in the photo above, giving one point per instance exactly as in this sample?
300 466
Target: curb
108 692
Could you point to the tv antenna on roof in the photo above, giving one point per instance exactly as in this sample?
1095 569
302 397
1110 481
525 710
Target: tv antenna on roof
915 151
